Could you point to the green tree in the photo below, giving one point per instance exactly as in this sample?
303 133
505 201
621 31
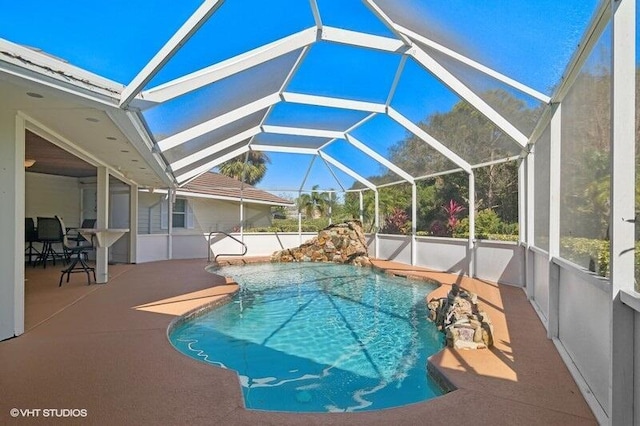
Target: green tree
472 136
389 199
585 173
250 171
315 204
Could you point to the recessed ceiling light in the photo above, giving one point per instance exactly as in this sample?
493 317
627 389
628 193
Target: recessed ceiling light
91 119
124 150
35 95
143 168
135 161
111 138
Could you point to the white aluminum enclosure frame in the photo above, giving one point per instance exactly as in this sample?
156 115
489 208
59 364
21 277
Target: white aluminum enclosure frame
243 141
126 104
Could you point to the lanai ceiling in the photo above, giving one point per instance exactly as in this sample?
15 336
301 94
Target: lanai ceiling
323 87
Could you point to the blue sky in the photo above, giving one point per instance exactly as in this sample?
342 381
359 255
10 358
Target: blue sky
527 40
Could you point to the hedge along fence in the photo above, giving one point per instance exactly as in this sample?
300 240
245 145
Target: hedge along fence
597 251
582 251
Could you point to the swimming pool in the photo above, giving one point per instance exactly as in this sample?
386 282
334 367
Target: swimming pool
315 337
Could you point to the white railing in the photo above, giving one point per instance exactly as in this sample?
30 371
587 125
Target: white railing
244 246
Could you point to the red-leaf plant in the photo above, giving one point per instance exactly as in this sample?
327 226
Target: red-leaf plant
452 210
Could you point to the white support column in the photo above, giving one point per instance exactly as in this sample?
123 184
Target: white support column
300 227
18 233
414 223
241 220
377 222
12 130
622 221
361 207
472 224
555 164
530 164
171 196
522 212
102 253
133 224
330 207
522 204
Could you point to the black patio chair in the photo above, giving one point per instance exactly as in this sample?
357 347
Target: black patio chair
49 234
75 236
30 237
78 253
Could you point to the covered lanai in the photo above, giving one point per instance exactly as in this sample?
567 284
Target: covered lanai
353 97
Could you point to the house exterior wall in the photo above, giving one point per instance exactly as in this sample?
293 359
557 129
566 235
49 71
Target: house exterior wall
209 215
149 213
218 215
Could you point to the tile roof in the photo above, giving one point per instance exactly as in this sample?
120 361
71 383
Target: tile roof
220 186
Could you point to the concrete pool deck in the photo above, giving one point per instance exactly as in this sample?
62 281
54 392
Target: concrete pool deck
103 348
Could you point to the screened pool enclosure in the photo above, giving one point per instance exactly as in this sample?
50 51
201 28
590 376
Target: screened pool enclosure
487 139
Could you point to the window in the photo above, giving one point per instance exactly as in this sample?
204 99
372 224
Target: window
182 216
180 213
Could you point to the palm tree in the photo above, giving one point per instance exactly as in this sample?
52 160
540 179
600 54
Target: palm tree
314 204
250 171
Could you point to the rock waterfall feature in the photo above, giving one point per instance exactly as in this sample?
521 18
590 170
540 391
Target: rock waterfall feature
339 243
458 316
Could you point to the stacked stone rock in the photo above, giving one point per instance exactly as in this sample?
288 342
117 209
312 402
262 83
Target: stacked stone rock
339 243
458 316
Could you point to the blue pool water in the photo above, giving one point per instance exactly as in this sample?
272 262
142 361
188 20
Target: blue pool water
314 337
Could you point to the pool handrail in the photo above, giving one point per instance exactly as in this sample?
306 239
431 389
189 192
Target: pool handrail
215 259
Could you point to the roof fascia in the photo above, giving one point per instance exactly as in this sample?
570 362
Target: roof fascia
40 68
187 193
179 38
133 127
